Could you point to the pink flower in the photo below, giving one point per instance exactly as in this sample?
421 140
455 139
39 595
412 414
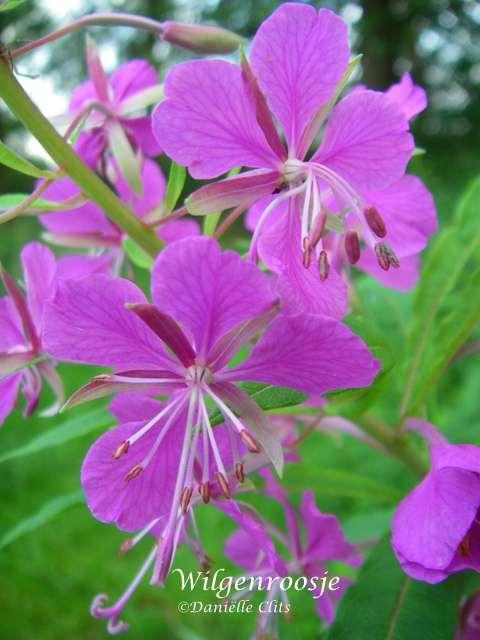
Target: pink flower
435 528
109 105
207 304
21 325
217 116
88 226
323 541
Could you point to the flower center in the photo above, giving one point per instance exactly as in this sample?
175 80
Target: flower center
197 373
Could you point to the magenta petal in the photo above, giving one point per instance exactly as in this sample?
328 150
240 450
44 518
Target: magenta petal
132 77
313 354
10 325
39 271
131 407
408 210
174 230
140 130
235 191
300 288
85 92
87 218
87 322
411 98
432 520
298 56
403 278
366 140
206 290
207 121
75 267
131 505
90 145
9 388
325 539
153 189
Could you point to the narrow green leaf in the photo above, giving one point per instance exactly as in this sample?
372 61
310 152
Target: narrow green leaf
136 254
8 5
12 159
385 604
175 184
75 427
337 482
267 397
49 511
446 290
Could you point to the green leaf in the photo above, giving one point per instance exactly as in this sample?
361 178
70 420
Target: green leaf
136 254
267 397
385 604
337 482
49 511
75 427
12 159
8 5
175 184
10 200
446 306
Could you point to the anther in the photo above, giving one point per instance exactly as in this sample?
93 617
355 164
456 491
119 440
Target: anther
252 444
323 266
125 546
375 221
352 246
185 499
464 546
239 472
386 257
121 449
223 483
204 491
134 472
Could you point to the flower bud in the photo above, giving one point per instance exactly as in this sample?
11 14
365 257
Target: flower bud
200 38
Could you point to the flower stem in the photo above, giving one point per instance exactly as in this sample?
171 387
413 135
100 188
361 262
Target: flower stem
397 444
62 153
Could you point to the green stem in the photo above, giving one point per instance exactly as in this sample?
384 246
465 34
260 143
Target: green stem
62 153
397 444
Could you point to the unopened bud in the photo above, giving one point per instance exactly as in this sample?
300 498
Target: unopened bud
204 491
352 246
223 484
134 472
239 472
375 221
121 449
200 38
323 266
252 444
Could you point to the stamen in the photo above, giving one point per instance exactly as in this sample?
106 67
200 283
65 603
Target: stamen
185 499
386 257
317 229
375 221
323 266
126 545
240 472
352 246
204 491
252 444
223 484
121 449
134 472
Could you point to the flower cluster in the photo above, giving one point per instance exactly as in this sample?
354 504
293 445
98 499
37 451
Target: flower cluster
322 182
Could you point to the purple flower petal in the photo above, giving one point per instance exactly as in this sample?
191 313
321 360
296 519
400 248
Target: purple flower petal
132 77
140 130
9 388
208 122
174 230
87 322
403 278
39 272
298 56
411 98
313 354
131 407
131 505
153 189
206 290
366 140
